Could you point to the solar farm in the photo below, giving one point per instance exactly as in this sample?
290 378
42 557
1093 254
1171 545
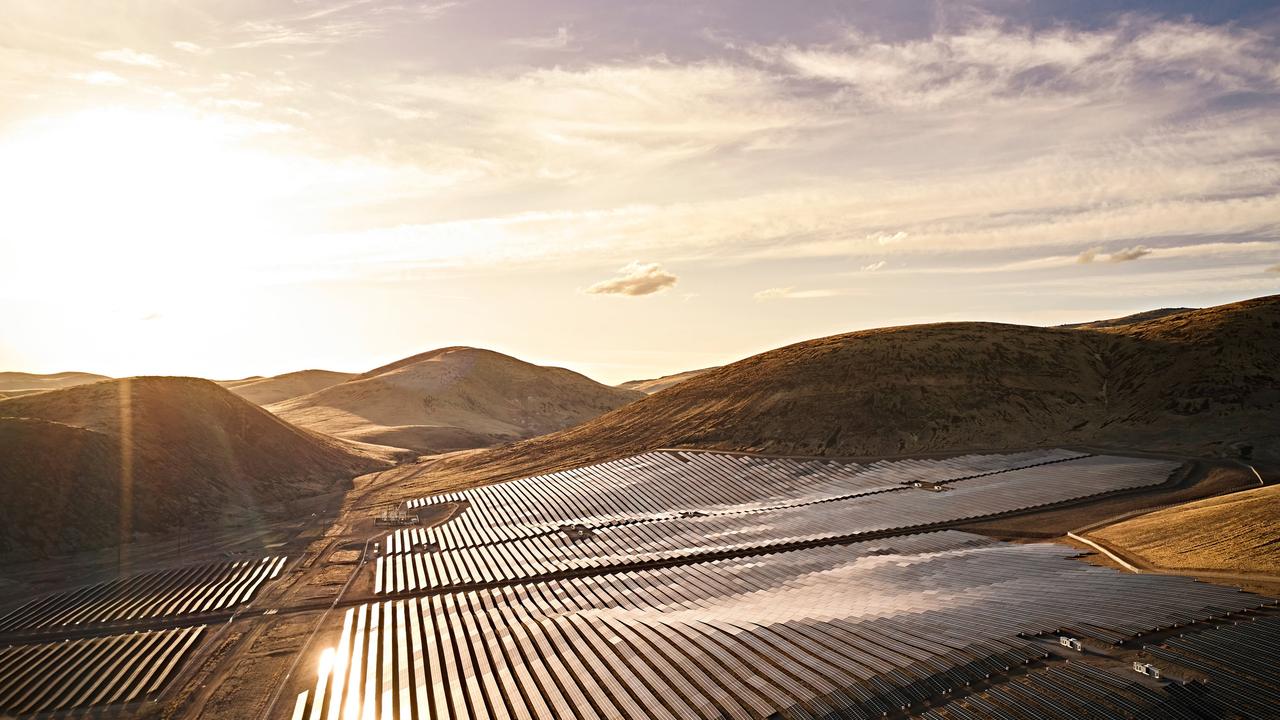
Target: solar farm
681 584
116 644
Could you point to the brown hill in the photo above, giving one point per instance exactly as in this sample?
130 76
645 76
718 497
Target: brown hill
20 383
649 387
451 399
170 451
1204 382
1230 532
268 390
1128 319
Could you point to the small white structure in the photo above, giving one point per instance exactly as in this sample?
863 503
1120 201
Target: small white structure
1146 669
1070 642
577 532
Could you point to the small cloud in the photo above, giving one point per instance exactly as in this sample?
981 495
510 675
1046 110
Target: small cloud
776 293
129 56
884 238
635 279
1124 255
559 41
1089 255
190 47
1128 254
151 316
873 266
100 77
790 293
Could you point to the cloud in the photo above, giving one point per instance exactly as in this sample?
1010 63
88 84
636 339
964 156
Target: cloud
190 47
790 293
1274 269
1089 255
635 279
1128 254
874 266
559 41
1123 255
129 56
100 77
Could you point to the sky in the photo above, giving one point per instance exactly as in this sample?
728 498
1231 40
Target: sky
238 188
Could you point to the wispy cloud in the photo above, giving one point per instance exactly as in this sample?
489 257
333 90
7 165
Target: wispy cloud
790 293
1123 255
190 47
100 77
559 40
635 279
878 265
129 56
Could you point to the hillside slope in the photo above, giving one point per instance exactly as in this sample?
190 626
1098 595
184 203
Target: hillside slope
169 451
1231 532
13 384
1198 382
1143 316
268 390
451 399
649 387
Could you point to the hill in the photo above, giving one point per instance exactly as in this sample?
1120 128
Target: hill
13 384
268 390
165 452
652 386
1127 319
453 398
1229 532
1203 382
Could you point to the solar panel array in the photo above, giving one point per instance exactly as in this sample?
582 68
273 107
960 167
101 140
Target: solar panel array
501 536
859 629
48 677
1233 671
183 591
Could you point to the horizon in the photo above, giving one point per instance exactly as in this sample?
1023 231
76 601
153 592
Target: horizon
569 365
226 190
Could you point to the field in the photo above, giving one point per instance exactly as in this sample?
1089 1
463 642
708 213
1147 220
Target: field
670 584
682 584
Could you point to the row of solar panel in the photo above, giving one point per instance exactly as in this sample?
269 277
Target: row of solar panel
622 545
190 590
743 638
662 483
47 677
1231 671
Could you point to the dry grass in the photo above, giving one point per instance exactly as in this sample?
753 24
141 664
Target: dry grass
87 465
265 391
1194 383
452 399
1236 532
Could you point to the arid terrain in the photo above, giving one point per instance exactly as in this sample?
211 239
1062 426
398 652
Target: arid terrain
1203 383
268 390
1235 532
649 387
1192 391
453 399
13 384
93 464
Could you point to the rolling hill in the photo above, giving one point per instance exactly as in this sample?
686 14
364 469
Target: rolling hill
1230 532
1203 382
13 384
268 390
649 387
1127 319
161 451
451 399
